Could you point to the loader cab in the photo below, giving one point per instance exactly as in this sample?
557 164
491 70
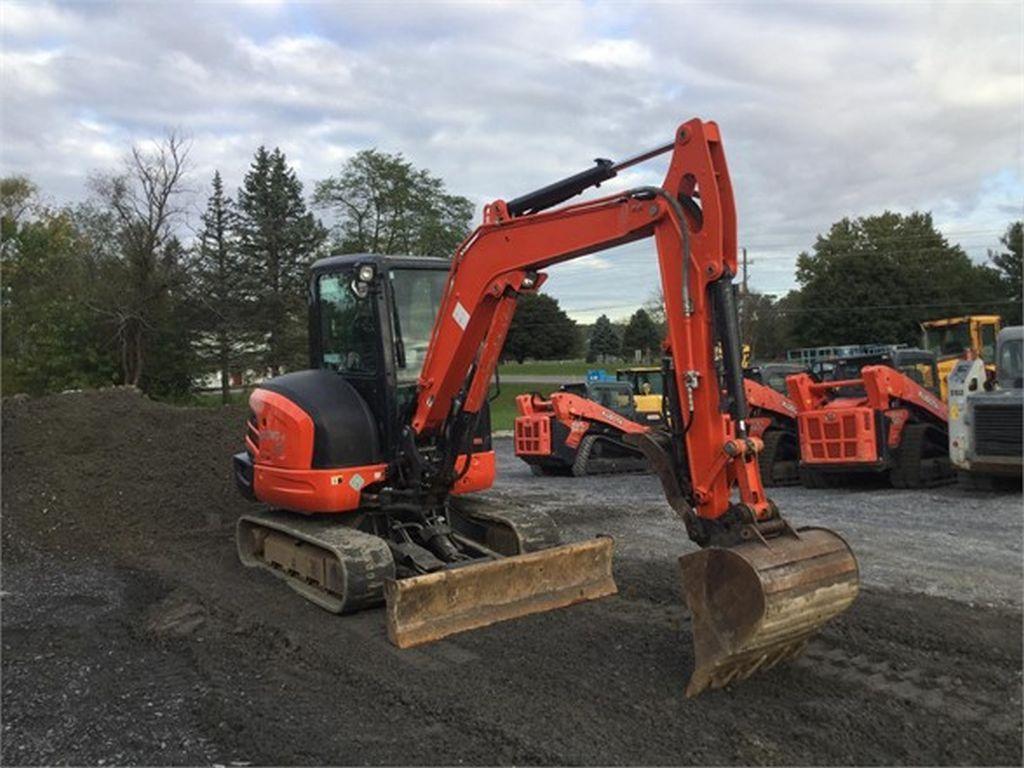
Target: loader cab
773 375
616 396
370 321
1010 358
917 364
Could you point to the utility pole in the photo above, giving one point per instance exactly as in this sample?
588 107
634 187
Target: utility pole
744 271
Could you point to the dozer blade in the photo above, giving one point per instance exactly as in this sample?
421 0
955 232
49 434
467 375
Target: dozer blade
756 604
425 608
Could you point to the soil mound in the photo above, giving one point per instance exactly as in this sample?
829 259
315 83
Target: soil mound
110 468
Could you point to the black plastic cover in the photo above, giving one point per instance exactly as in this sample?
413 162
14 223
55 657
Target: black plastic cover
346 433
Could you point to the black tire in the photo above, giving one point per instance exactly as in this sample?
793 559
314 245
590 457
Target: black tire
779 449
579 464
907 472
766 461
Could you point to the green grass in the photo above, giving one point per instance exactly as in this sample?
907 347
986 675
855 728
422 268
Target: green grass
548 368
503 409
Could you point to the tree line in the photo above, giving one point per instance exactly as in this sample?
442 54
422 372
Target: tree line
126 288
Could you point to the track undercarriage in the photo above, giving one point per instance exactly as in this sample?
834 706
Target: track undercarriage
470 566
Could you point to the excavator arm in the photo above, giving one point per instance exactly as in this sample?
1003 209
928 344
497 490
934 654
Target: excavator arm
758 589
696 247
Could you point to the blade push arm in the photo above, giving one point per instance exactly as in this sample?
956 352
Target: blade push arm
696 247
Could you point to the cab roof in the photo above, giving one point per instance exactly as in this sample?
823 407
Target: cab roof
959 320
344 260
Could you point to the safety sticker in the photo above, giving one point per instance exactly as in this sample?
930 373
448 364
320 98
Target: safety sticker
357 482
461 315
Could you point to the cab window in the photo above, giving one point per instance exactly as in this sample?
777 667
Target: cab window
988 342
348 326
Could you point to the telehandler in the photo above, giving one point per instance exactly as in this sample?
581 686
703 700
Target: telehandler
365 460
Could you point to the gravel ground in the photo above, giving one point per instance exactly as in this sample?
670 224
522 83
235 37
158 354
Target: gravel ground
132 636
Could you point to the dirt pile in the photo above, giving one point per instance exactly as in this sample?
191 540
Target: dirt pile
111 470
131 635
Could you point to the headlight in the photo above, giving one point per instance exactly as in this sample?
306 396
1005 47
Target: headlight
366 273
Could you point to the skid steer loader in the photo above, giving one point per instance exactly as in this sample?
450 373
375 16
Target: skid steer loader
579 430
884 418
366 463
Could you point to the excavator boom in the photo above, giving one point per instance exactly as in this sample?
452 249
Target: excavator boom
758 589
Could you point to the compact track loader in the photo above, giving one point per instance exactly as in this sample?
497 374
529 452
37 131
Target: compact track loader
579 430
366 464
773 420
885 421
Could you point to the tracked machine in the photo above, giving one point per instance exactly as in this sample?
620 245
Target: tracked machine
882 420
579 430
366 463
773 419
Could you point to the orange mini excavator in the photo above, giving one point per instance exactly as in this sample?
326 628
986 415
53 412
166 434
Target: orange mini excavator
881 422
365 460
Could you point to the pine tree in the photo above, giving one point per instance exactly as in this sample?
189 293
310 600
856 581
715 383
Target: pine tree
220 288
540 330
604 341
641 334
278 239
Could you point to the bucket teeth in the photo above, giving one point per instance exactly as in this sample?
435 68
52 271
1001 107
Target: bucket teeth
421 609
758 604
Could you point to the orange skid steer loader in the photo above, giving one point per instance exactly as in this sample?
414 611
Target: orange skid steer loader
882 422
364 463
571 434
773 419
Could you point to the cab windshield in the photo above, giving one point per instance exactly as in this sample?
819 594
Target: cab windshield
1010 367
948 339
418 294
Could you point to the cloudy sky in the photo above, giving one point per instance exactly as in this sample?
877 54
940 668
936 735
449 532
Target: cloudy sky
827 109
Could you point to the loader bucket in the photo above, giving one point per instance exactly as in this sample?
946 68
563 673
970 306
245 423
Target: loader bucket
421 609
758 603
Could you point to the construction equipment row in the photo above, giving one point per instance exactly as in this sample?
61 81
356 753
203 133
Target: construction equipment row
839 419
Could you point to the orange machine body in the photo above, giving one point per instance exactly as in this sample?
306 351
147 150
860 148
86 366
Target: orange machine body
768 409
533 426
859 430
279 438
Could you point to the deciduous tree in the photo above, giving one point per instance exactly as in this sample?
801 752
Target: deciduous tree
874 279
383 204
145 205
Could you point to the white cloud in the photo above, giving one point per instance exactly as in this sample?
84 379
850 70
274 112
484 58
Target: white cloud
827 110
611 54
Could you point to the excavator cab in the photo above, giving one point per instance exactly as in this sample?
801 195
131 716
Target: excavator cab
370 320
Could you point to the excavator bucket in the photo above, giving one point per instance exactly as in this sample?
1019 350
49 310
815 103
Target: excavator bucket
421 609
758 603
